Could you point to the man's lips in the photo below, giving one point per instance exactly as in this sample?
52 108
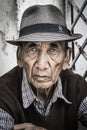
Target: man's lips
42 78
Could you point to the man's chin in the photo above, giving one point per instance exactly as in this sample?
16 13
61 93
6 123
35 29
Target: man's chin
42 85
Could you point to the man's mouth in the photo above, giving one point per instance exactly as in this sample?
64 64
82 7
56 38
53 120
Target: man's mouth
40 78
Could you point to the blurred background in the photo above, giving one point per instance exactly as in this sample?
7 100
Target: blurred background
75 12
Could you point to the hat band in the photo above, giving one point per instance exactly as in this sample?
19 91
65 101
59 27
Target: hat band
44 28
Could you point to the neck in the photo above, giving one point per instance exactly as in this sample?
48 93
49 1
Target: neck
42 95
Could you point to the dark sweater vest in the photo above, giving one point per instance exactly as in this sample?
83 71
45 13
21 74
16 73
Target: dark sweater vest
62 116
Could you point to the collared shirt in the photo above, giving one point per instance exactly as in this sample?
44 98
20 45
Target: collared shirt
28 97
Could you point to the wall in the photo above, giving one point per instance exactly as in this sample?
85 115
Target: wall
8 30
80 27
23 4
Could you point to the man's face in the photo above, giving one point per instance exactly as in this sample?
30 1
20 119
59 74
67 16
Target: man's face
43 62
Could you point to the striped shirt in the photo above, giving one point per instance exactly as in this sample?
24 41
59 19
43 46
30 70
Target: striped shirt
28 97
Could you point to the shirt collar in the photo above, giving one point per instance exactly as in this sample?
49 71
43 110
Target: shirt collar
28 95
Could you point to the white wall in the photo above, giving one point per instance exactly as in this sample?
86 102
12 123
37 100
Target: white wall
23 4
81 27
8 30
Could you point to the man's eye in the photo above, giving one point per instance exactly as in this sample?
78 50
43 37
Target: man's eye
53 51
32 50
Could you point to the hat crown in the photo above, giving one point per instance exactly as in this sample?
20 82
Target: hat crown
40 14
43 23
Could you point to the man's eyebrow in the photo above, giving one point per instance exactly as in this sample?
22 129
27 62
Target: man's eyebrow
54 44
31 44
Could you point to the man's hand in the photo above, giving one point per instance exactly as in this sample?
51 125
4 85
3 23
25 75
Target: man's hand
27 126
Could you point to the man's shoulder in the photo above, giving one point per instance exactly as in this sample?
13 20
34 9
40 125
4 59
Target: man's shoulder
10 90
11 80
11 75
72 79
10 83
69 74
74 86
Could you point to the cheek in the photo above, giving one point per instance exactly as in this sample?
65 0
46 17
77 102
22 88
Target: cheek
56 68
55 73
28 65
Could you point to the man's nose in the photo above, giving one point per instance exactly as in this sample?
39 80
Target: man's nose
42 61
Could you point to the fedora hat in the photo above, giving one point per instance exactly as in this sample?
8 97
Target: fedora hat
43 23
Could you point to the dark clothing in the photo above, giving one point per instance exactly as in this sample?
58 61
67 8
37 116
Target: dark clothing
62 116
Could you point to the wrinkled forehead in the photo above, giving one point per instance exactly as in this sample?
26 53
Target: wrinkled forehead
42 44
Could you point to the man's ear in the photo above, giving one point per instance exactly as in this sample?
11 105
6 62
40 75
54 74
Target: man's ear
19 57
67 59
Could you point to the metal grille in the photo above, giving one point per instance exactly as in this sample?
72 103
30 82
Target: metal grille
74 21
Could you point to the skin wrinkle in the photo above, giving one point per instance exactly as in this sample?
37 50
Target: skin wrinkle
42 71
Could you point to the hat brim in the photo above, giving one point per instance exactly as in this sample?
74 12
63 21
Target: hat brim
45 37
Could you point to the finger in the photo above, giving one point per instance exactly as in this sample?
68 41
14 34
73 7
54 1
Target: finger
34 128
21 126
27 126
40 128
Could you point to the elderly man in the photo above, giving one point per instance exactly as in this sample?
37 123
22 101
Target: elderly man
41 93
